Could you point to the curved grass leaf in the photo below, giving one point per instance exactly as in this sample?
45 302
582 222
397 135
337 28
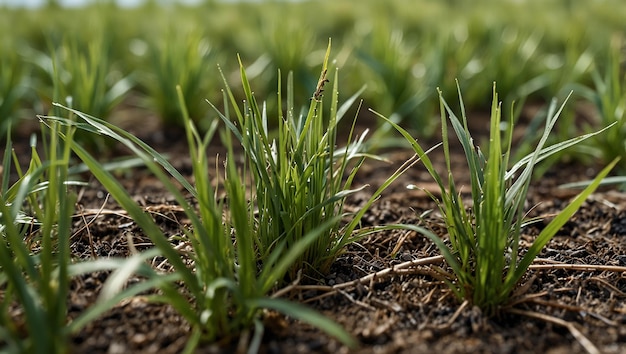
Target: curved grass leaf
307 315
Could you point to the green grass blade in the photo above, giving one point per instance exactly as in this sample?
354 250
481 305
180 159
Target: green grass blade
135 144
25 293
139 216
553 149
307 315
554 226
6 165
422 155
273 273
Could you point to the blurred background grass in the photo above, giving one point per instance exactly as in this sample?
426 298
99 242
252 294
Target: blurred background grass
402 50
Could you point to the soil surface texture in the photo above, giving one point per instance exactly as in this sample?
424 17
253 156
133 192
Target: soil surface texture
387 290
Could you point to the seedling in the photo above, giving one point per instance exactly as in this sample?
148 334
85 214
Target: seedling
301 179
609 98
35 220
484 240
230 281
179 58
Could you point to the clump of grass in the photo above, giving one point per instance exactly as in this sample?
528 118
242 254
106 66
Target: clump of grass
293 56
181 57
231 278
13 86
301 178
35 261
35 220
84 77
390 58
609 97
483 249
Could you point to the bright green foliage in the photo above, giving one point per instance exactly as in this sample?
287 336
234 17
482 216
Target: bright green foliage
83 77
35 263
484 239
394 66
293 55
13 87
609 97
35 220
301 178
182 57
534 47
224 291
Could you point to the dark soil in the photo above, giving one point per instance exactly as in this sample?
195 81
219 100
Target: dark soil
408 309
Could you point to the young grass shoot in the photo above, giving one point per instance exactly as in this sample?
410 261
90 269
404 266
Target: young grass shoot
483 249
301 178
35 221
241 250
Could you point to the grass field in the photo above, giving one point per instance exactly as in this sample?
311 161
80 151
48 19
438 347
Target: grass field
401 50
280 87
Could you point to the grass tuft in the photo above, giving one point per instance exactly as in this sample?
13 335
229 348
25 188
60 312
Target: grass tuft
35 221
483 249
301 178
231 278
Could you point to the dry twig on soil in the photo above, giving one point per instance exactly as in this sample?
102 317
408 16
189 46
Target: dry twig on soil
370 278
584 341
